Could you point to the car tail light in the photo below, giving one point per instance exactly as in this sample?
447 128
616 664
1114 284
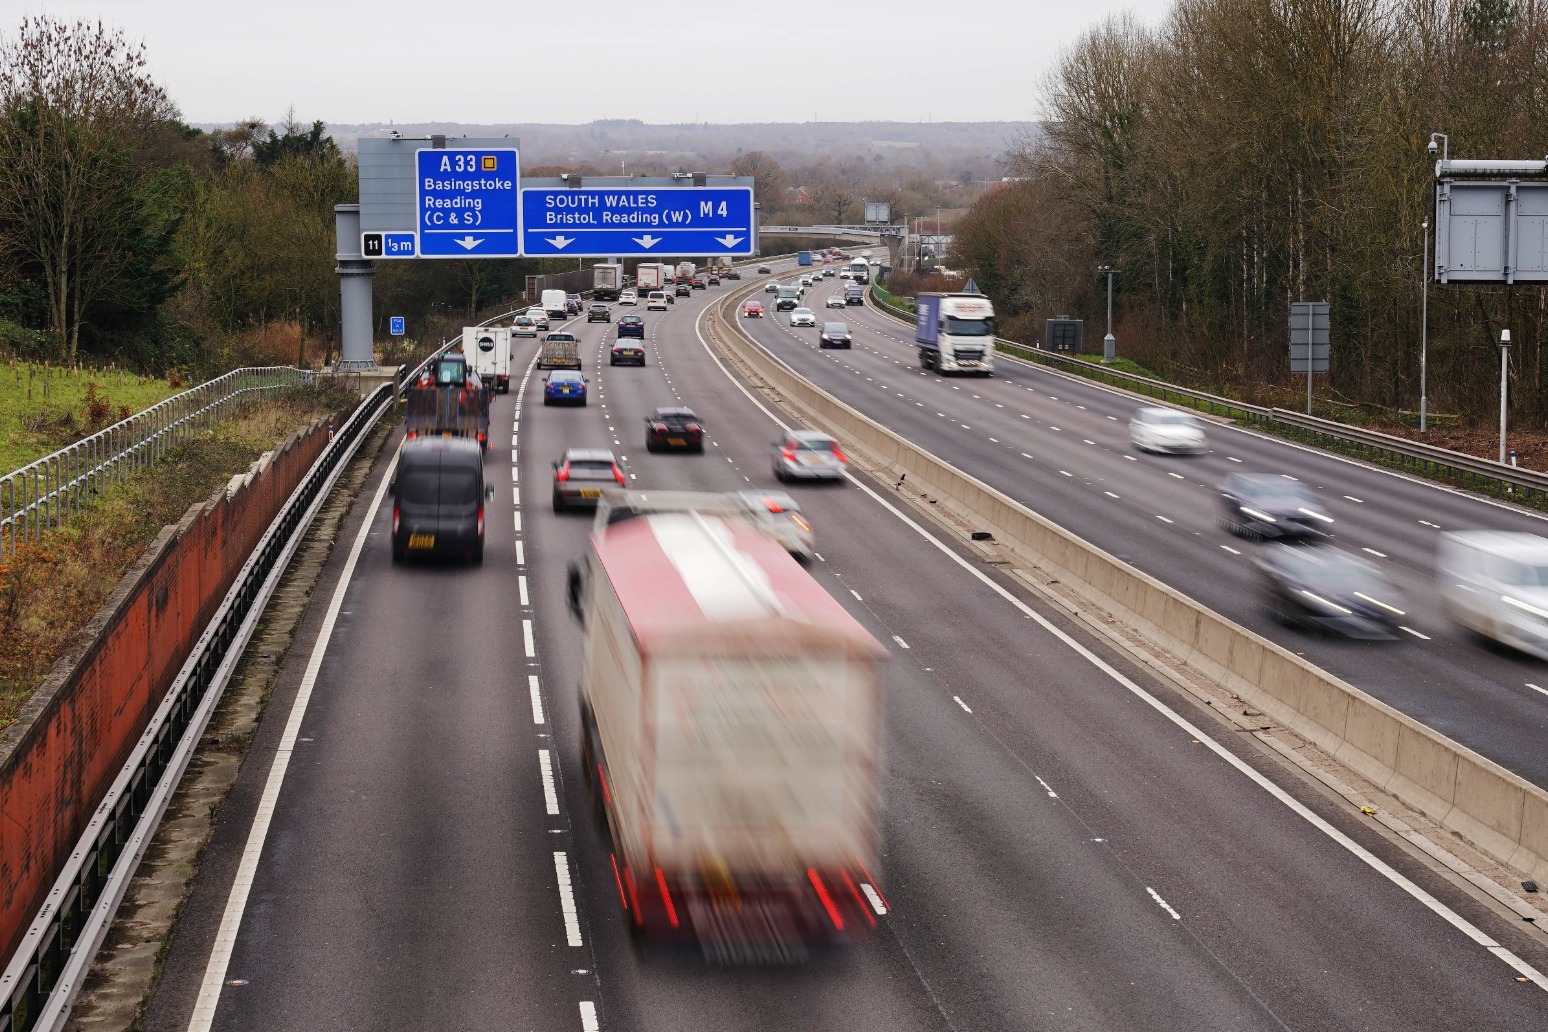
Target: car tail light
772 505
395 515
413 434
481 521
692 428
659 428
839 454
563 474
618 474
788 454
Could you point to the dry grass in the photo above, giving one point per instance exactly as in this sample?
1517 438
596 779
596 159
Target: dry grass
49 590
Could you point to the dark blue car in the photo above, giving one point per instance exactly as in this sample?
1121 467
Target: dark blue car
564 385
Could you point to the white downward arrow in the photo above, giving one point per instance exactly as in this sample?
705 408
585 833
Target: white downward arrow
468 242
728 240
647 240
560 241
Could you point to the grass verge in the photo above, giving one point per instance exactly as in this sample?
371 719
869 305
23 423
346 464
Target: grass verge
50 589
44 408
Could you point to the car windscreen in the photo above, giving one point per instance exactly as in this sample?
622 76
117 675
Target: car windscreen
1523 574
834 327
969 327
430 486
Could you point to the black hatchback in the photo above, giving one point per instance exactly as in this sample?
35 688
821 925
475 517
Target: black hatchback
438 498
1265 506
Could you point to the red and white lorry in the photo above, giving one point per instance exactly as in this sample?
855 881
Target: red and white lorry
731 715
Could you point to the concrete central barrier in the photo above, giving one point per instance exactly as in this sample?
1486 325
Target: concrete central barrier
1498 811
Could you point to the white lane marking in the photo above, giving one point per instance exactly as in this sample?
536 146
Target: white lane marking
1228 548
1024 455
1163 519
1535 688
1109 494
855 593
1178 476
1186 726
588 1011
203 1016
901 643
537 698
1352 498
516 496
1427 523
567 898
1053 428
515 477
820 559
1232 458
875 899
1379 555
1163 903
1066 472
958 700
517 520
521 586
994 440
550 797
1416 634
521 555
526 638
1085 440
1131 458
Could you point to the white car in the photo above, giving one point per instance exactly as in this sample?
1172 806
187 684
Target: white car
523 326
779 516
844 274
771 287
656 300
1167 431
834 301
806 281
808 455
629 297
803 317
539 317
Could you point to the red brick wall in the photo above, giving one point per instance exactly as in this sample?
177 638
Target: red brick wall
79 728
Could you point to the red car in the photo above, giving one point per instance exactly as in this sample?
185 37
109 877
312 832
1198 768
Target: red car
753 310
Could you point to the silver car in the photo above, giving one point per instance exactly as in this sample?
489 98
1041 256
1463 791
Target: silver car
808 455
1167 431
779 516
803 317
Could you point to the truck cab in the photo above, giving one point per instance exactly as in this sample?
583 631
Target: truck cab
955 333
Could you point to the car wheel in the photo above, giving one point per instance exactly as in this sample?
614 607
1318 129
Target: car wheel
558 503
548 401
478 555
779 474
397 552
649 446
699 448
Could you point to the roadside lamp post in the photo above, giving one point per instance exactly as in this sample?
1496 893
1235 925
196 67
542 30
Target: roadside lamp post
1109 343
1504 370
1424 332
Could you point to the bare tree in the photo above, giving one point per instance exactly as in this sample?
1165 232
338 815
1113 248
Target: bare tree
76 106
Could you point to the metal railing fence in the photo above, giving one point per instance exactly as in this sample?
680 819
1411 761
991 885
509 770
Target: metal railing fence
45 493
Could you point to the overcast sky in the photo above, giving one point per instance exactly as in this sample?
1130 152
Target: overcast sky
485 61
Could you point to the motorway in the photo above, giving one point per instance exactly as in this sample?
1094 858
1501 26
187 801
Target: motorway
1060 446
1068 843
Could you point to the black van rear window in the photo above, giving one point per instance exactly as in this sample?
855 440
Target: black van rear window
428 487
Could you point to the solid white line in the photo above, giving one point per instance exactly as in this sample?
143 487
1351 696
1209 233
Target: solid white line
521 555
521 586
1164 904
526 638
550 797
901 643
567 899
958 700
1370 859
588 1011
875 898
203 1016
537 698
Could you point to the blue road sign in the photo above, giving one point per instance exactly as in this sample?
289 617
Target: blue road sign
395 324
602 221
466 201
388 245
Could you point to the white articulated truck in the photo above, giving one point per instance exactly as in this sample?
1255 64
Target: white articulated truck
955 333
488 351
731 729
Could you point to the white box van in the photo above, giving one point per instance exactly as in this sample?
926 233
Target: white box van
656 300
488 351
1496 583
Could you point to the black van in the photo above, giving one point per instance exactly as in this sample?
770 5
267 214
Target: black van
438 499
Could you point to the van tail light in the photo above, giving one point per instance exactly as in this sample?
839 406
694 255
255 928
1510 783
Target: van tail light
480 521
396 513
618 474
563 474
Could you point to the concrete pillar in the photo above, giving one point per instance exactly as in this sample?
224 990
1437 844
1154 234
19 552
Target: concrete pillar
357 348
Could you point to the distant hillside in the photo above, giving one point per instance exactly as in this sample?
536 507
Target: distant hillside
696 146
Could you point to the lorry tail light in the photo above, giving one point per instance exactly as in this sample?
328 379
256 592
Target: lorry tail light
827 900
666 897
396 513
622 899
